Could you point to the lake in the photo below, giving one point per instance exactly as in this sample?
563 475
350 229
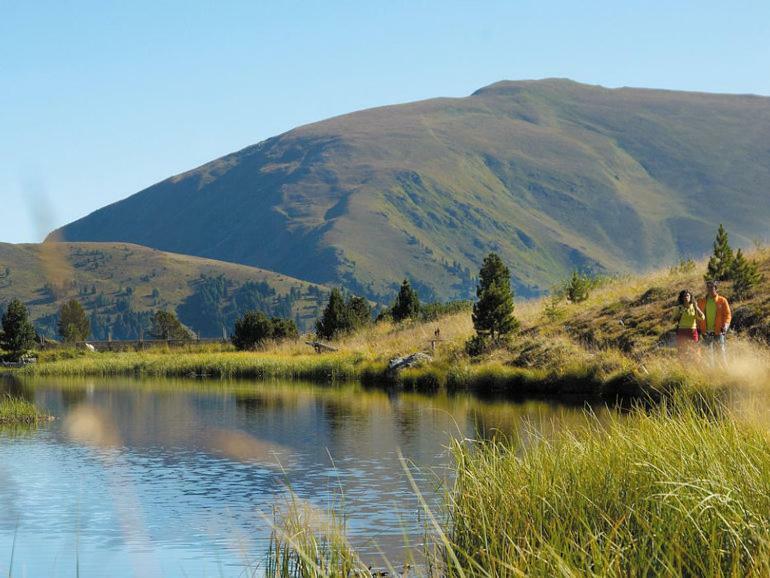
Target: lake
185 477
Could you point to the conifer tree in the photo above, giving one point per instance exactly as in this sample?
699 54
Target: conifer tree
578 287
745 275
407 305
73 323
493 312
335 318
721 261
18 332
359 310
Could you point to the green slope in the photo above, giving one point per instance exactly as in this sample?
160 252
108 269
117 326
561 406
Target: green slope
552 174
120 284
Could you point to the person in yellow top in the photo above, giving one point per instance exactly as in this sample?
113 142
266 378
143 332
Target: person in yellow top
715 324
687 315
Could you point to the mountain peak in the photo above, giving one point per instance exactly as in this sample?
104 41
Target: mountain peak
507 87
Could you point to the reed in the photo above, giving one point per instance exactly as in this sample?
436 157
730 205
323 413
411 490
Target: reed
675 491
15 410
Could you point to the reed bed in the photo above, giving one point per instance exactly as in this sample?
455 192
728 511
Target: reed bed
675 491
15 410
318 368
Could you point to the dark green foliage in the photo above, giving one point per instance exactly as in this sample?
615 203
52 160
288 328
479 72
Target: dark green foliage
130 324
360 311
335 319
493 311
204 310
165 325
407 305
578 288
255 328
18 333
720 265
73 323
745 275
478 345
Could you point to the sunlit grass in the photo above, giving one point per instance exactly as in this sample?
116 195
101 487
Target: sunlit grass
672 492
15 410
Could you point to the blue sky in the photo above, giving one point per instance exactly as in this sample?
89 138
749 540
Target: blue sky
99 100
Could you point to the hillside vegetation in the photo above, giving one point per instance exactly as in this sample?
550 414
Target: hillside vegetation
553 175
615 343
120 284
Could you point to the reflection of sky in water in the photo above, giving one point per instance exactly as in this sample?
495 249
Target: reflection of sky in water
193 466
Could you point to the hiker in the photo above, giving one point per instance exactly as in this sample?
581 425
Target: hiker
713 328
687 315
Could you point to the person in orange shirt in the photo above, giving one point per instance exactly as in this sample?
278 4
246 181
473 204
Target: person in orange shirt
715 324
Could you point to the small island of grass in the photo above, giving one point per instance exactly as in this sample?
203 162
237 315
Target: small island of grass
15 410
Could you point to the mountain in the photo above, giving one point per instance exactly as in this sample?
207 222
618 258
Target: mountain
552 174
120 285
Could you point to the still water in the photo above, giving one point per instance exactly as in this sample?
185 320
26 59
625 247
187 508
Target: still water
184 478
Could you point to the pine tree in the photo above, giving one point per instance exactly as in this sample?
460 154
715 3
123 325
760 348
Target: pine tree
18 332
493 312
745 275
335 318
73 323
359 310
721 261
578 287
407 305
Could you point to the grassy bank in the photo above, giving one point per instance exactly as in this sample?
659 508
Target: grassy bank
615 343
659 494
673 492
14 410
326 368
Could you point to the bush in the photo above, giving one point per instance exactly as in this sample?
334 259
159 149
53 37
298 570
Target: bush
255 328
478 345
165 325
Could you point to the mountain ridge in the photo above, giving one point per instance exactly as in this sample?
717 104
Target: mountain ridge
121 284
553 174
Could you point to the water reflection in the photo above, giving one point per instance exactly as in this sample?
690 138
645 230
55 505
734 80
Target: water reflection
172 478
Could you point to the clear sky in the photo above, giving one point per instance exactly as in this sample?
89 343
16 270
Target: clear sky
101 99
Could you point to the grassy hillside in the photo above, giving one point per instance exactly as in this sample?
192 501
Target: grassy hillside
615 343
552 174
120 284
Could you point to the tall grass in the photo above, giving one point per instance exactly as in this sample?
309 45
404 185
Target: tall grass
320 368
15 410
309 543
672 492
